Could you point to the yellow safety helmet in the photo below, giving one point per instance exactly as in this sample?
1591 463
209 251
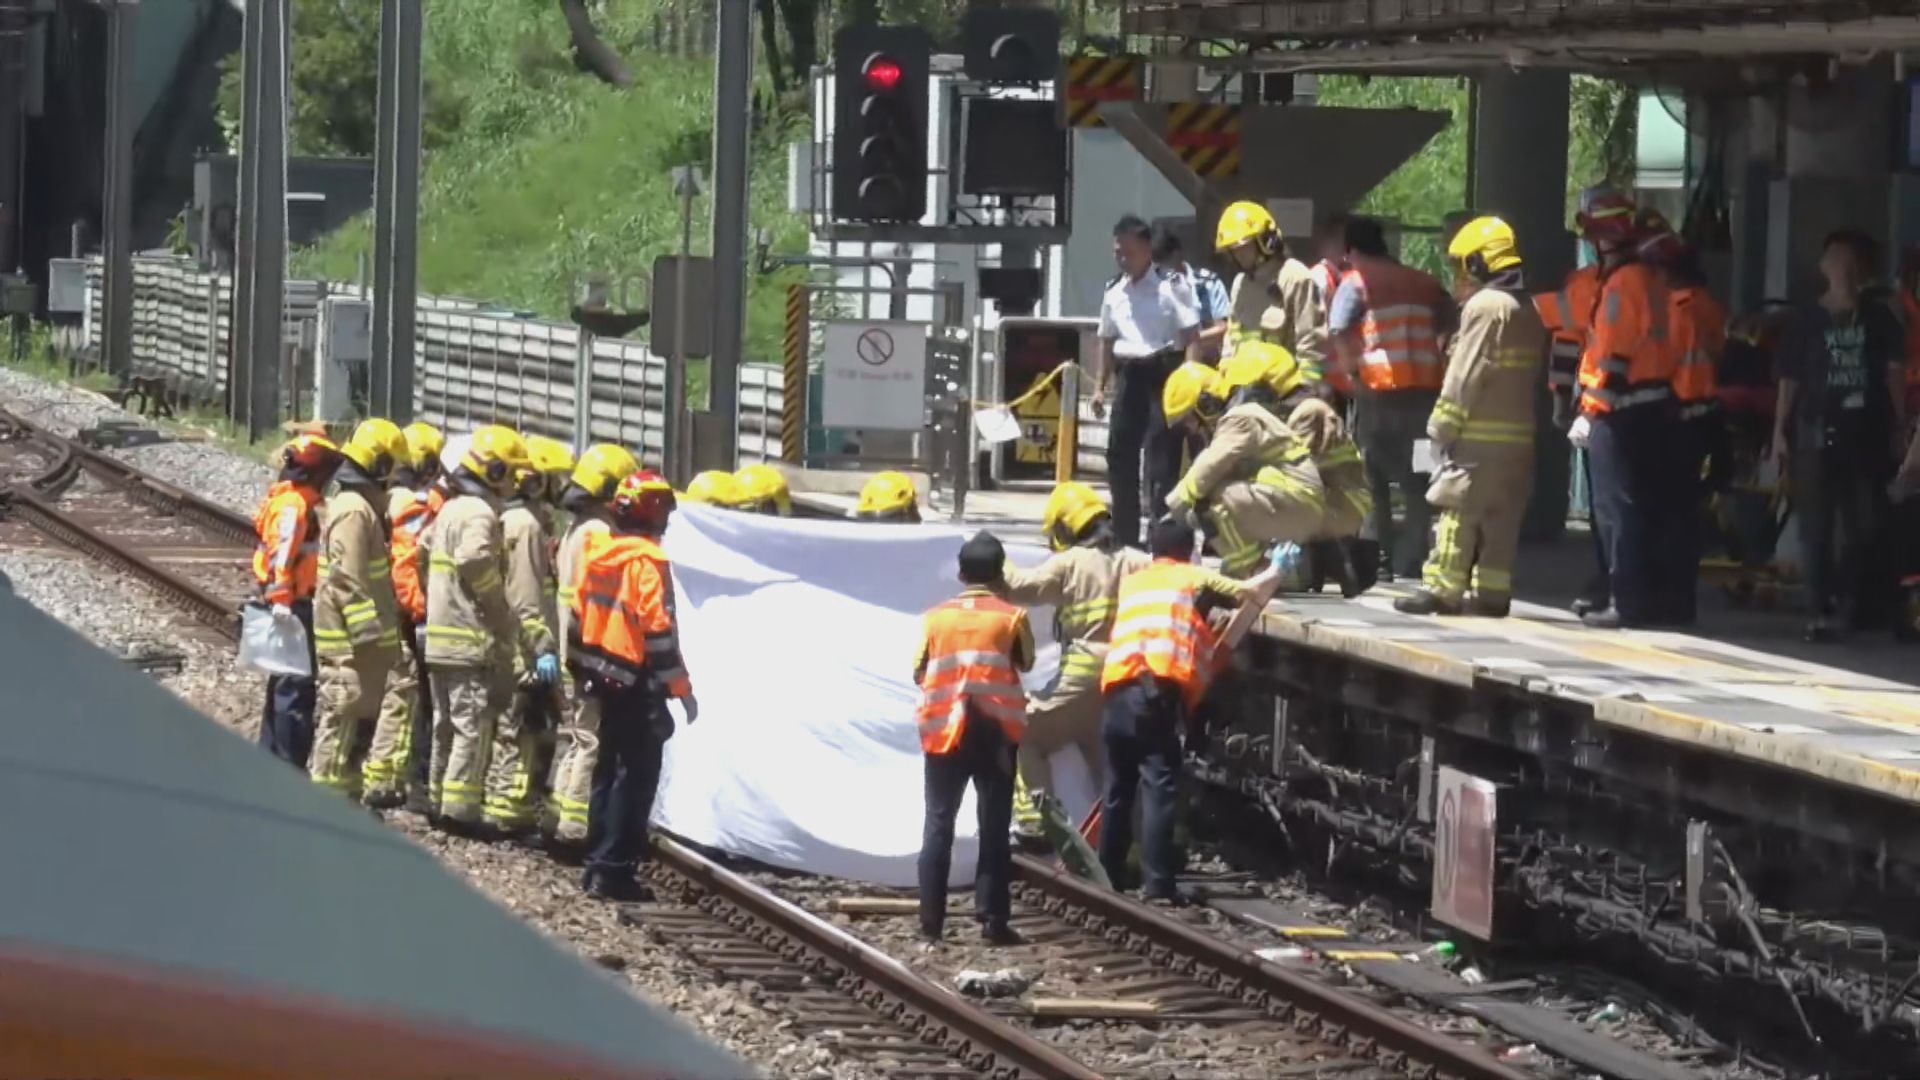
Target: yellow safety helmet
424 443
763 490
1070 509
715 487
496 454
889 496
1193 387
1247 221
376 447
548 463
1262 364
602 467
1484 247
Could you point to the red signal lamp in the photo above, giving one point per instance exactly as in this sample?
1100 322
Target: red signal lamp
883 74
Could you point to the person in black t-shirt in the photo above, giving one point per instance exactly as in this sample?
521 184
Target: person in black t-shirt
1837 429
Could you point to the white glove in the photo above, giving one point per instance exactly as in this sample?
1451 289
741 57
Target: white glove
691 706
1580 433
282 611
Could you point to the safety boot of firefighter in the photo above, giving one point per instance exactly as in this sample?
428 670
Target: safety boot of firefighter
1427 602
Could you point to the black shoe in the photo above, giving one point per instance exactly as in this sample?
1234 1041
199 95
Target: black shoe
419 803
1587 605
1425 602
1001 935
1490 609
933 935
382 800
619 888
1173 899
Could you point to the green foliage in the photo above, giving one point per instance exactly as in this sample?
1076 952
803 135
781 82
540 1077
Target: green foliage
1433 182
1603 117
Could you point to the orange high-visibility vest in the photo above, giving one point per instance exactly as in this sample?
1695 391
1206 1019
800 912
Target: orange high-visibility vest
1326 282
1568 314
1629 359
286 562
408 527
623 628
1399 349
1158 630
969 651
1699 327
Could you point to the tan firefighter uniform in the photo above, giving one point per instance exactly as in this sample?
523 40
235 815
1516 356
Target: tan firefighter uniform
1337 459
386 770
471 640
356 634
1483 424
1255 484
1080 584
1276 302
530 592
578 747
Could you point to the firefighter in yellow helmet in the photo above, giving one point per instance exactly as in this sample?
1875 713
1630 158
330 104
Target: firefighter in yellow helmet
589 492
715 487
763 490
520 736
1482 427
1273 298
1079 582
403 735
889 497
472 635
1254 485
356 621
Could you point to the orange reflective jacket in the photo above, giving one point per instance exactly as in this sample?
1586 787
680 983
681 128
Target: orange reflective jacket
1629 359
286 562
1568 314
1699 327
969 663
1326 282
409 514
623 627
1399 347
1159 630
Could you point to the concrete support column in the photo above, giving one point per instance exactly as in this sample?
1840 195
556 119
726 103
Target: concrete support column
1520 173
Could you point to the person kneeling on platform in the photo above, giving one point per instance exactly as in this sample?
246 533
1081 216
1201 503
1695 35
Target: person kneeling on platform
1254 485
973 714
1482 426
625 652
1157 670
889 497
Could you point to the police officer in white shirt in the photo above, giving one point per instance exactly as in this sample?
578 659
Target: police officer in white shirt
1149 323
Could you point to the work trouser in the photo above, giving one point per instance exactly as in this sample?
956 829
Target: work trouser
350 690
1838 495
1246 518
468 703
286 720
984 758
575 756
390 756
1631 452
1476 548
516 755
634 728
1599 589
1066 715
1141 723
1385 426
1138 441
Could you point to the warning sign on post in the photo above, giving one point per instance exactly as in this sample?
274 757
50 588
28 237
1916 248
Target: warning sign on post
875 375
1463 853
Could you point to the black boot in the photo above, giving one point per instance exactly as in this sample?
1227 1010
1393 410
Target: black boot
1491 608
1426 602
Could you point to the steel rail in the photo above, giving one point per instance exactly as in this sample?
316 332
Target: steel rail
987 1043
1231 968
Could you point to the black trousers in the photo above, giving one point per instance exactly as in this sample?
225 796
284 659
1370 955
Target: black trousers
1141 724
1631 451
286 721
1839 491
634 727
1138 442
984 758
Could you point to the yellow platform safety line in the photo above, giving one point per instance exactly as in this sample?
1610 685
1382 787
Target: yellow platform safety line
1206 137
1095 79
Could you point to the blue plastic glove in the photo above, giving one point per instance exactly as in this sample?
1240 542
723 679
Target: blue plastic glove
1286 558
547 669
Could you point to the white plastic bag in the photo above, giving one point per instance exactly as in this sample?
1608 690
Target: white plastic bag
273 645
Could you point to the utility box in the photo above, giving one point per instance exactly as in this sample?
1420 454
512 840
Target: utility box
342 372
1029 352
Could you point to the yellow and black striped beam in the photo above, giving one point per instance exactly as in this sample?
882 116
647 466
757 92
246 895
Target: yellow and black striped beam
1206 136
1094 79
793 389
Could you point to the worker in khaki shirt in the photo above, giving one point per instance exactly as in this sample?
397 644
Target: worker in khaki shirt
1253 486
1079 582
1483 426
472 635
356 624
523 732
1273 298
577 749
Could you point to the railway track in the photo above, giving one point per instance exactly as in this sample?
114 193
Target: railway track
192 551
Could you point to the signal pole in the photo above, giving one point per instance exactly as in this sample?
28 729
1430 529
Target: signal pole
732 80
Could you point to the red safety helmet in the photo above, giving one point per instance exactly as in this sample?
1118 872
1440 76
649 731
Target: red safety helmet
1605 214
643 500
312 454
1659 244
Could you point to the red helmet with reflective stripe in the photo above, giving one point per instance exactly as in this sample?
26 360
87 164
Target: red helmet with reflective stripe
1659 244
643 500
1605 213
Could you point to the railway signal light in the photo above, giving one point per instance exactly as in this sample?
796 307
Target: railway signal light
880 123
1012 46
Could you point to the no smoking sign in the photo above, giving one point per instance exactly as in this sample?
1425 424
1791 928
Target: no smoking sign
874 347
874 375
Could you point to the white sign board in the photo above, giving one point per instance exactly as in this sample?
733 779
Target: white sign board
875 375
1463 853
